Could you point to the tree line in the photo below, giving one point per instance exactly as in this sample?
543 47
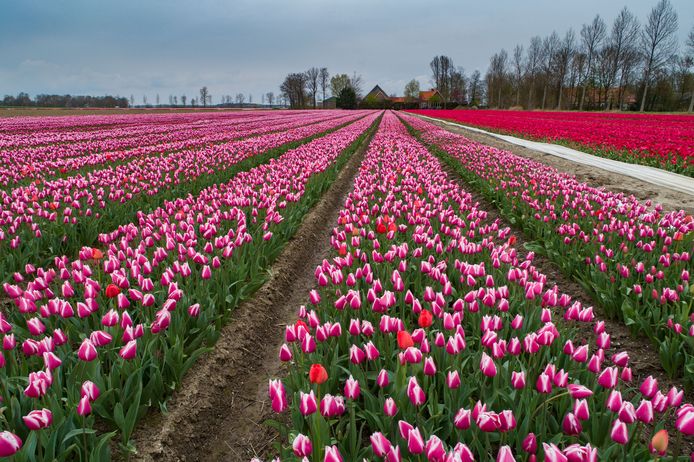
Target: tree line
303 89
622 65
70 101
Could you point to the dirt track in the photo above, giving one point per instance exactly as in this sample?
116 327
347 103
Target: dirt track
593 176
219 410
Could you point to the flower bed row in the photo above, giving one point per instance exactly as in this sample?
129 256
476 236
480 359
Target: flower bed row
428 337
633 257
64 214
658 140
21 166
94 342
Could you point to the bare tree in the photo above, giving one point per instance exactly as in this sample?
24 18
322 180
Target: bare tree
203 96
458 85
144 100
658 42
240 99
157 99
324 80
592 36
518 70
312 76
183 100
441 67
475 87
496 75
357 82
294 89
270 97
564 55
623 41
532 65
549 49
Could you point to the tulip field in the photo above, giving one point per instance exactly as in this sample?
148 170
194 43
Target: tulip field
430 334
659 140
429 337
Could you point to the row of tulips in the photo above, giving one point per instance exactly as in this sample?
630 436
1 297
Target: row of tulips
43 162
429 337
658 140
61 215
633 257
92 343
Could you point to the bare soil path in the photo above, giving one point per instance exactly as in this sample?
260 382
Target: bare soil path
219 410
592 176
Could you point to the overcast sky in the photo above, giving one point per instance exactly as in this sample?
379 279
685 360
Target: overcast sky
174 47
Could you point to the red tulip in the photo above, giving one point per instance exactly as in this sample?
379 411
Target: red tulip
317 374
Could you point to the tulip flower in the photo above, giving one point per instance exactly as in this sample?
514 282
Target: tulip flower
659 443
619 432
9 444
84 407
380 444
404 340
352 389
38 419
129 351
389 407
302 446
317 374
87 351
505 454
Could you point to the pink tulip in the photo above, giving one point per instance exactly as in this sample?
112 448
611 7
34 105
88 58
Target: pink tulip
38 419
9 444
84 407
87 351
352 389
302 446
415 442
619 432
389 407
685 422
307 403
332 454
129 351
505 454
487 365
380 444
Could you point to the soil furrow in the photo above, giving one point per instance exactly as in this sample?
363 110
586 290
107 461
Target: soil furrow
218 413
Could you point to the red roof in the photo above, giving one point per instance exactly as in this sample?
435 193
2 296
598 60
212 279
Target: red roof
427 95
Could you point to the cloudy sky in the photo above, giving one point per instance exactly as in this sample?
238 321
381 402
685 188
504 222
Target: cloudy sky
149 47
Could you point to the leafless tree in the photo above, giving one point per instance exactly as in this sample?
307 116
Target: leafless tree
475 88
294 89
496 76
144 100
564 55
357 82
517 70
623 41
270 97
532 65
550 45
658 42
441 67
203 96
324 80
312 76
183 100
458 85
240 99
592 36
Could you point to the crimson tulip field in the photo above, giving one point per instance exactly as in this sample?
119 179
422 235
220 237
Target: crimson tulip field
129 243
659 140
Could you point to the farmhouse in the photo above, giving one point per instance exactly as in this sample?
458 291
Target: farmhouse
430 99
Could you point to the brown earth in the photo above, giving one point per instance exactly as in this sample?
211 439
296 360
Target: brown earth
219 410
671 199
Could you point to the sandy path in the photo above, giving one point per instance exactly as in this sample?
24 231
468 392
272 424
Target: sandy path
219 410
591 175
